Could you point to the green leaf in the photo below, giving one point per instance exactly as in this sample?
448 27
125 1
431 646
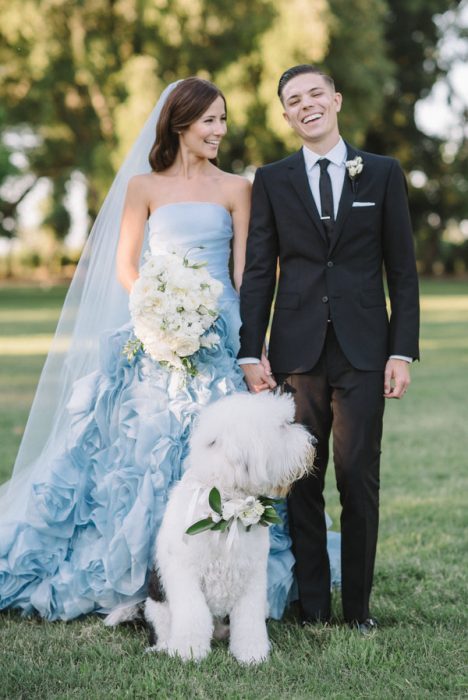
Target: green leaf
200 526
272 519
189 366
266 501
214 499
222 525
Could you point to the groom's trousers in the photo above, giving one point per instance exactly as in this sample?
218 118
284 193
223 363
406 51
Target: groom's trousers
336 398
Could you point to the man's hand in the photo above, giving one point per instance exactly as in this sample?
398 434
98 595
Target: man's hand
396 378
258 378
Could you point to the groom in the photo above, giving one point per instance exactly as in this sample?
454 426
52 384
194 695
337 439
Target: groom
331 226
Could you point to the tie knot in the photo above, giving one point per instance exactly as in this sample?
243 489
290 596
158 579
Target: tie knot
323 164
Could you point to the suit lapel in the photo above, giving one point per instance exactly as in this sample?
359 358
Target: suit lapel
298 177
348 195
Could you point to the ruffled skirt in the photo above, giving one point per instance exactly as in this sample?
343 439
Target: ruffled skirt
86 542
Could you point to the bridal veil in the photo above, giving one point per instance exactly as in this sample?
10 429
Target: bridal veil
95 302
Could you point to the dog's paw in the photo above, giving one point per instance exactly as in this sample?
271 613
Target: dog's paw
159 647
251 654
123 613
152 650
189 650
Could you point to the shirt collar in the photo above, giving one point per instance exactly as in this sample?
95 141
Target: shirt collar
336 155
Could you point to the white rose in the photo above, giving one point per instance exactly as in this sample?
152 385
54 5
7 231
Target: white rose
186 347
209 340
354 166
252 511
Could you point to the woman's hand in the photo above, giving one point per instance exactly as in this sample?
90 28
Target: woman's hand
266 363
257 378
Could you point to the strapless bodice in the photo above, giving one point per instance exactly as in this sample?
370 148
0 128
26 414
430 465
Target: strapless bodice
200 230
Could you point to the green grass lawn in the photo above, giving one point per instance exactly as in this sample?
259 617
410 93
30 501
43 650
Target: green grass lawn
420 585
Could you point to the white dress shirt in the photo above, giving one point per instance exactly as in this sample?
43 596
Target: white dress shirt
337 171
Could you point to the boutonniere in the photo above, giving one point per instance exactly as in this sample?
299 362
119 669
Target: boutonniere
354 168
248 511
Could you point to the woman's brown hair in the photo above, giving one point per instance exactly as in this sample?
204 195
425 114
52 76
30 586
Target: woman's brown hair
186 103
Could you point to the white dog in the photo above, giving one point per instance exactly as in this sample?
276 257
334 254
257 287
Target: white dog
246 446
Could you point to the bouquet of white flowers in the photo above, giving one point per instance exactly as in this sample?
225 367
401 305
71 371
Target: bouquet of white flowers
173 303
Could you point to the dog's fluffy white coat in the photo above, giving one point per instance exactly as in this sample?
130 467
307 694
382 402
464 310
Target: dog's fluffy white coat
244 445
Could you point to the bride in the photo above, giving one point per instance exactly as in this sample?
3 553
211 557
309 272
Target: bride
108 435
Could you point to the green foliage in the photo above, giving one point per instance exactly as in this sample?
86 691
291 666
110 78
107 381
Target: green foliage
357 59
412 38
84 76
7 170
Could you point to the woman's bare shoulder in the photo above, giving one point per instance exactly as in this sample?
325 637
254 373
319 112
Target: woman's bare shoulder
235 180
238 185
143 181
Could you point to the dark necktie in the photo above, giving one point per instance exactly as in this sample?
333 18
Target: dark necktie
326 197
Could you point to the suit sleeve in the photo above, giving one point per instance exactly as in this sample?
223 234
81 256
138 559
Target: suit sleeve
258 283
400 267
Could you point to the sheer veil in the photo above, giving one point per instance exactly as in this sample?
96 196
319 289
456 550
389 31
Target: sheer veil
95 303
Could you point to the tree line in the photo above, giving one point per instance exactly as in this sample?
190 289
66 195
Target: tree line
79 77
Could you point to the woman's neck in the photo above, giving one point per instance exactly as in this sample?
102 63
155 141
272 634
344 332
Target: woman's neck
188 166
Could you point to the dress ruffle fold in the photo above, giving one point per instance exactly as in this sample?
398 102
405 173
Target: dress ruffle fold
86 542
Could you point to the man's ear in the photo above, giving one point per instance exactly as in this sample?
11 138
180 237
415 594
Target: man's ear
286 118
338 99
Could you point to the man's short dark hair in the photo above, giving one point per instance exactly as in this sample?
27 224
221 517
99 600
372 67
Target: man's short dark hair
299 70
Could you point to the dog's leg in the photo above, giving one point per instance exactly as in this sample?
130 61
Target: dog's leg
249 637
191 619
157 615
158 619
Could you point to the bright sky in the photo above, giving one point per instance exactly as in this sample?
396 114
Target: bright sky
434 114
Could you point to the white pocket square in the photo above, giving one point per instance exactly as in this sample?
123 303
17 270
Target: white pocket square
363 204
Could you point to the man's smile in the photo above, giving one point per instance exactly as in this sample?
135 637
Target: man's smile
312 117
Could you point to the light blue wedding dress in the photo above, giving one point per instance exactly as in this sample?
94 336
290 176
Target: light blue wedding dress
85 543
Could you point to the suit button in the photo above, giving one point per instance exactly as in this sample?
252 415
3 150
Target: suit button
330 263
324 299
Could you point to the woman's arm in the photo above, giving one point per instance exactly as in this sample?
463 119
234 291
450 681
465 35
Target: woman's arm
240 212
132 231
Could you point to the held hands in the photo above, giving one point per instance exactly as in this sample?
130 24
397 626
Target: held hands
259 376
396 378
